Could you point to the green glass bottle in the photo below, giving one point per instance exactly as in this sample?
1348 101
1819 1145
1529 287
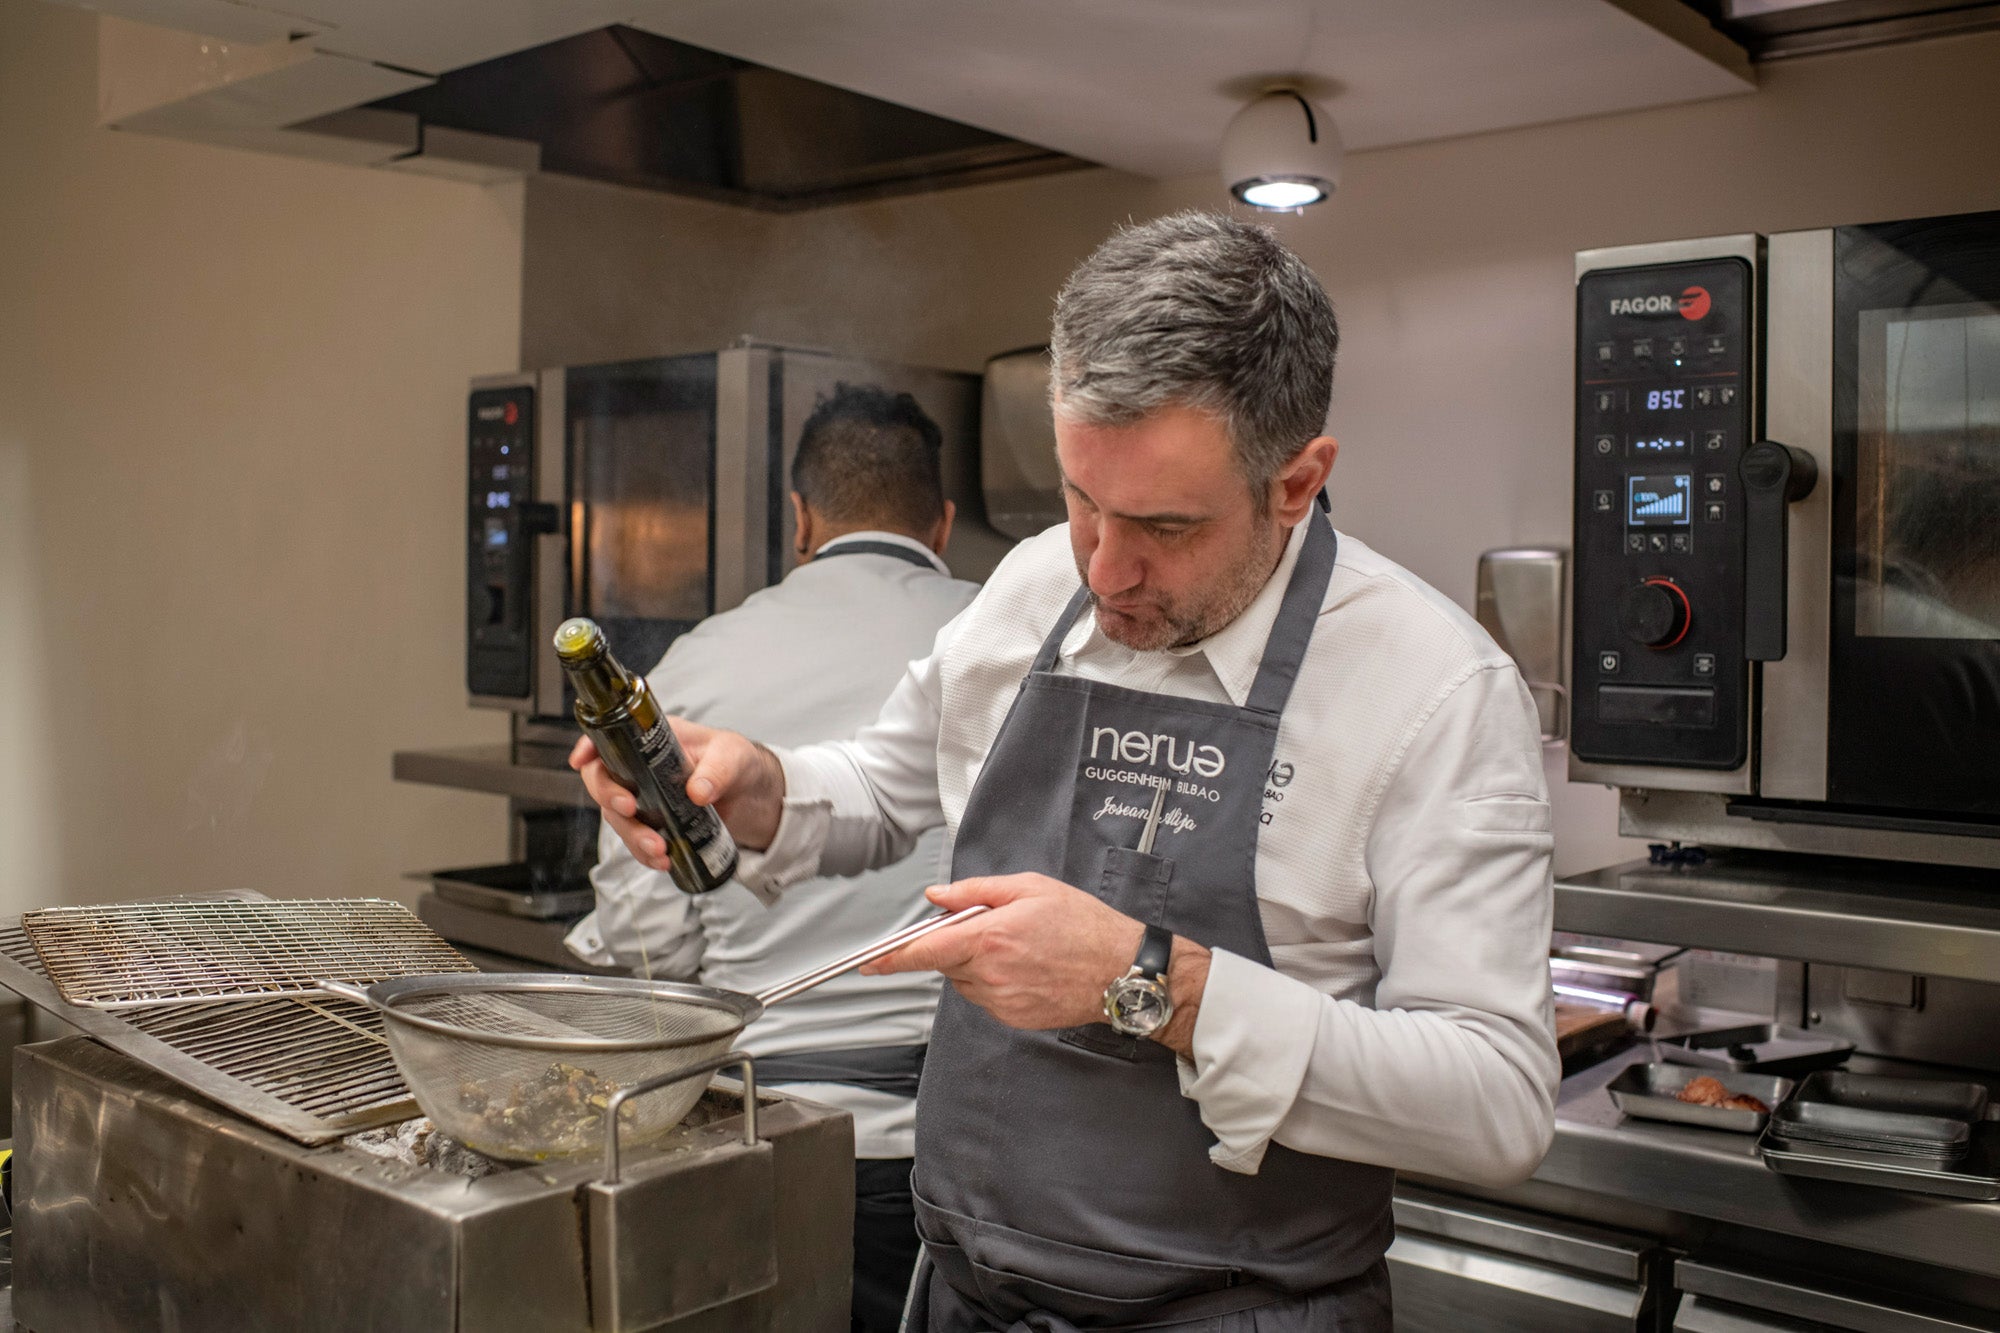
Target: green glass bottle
616 710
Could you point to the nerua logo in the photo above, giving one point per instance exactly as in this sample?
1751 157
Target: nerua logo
1138 747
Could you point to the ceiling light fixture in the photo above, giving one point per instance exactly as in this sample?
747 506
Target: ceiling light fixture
1281 152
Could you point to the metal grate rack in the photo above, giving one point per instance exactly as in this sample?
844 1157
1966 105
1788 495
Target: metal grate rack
313 1070
192 951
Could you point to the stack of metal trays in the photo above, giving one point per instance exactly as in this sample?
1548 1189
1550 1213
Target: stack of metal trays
1927 1135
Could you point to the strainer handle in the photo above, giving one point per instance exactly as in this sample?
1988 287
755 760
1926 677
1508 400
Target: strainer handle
345 990
785 990
623 1095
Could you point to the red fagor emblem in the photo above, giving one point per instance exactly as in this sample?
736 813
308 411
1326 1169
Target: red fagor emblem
1694 303
513 412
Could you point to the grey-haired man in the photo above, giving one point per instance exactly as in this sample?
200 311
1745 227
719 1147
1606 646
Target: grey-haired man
1261 821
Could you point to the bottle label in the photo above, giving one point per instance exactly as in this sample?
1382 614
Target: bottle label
698 823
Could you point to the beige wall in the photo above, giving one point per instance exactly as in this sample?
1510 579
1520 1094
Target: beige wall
1450 263
231 402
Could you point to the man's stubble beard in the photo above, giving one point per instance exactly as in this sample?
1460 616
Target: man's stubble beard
1177 626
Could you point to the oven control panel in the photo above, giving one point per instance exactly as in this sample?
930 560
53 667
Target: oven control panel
500 475
1663 415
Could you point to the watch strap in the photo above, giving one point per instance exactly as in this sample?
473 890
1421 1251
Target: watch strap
1156 951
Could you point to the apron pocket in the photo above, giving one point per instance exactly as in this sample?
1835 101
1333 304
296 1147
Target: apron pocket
1012 1272
1136 883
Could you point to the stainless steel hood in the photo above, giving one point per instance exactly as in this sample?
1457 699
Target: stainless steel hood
626 106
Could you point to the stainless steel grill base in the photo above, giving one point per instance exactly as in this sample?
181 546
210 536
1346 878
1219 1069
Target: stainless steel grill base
139 1206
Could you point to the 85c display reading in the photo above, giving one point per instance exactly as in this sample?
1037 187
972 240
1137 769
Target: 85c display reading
1665 400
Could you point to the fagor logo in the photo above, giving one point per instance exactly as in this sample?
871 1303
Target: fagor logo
1692 303
1137 747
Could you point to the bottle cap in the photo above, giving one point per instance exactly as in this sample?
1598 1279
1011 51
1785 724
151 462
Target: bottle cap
578 637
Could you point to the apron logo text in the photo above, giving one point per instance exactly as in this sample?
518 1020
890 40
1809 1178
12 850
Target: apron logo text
1136 747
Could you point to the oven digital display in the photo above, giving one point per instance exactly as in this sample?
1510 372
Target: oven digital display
1659 500
1665 400
1665 444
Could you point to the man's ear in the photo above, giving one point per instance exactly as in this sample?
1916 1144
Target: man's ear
1299 482
941 534
802 520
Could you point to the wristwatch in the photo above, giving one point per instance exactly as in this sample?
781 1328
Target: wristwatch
1137 1004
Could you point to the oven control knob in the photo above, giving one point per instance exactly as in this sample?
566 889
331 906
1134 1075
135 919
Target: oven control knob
1656 613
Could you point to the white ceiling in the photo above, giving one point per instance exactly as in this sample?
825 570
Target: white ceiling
1148 85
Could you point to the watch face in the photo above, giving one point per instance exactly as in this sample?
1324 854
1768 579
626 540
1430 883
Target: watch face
1137 1006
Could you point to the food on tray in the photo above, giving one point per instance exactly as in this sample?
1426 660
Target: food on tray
1706 1090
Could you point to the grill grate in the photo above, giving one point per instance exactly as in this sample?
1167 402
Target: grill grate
311 1069
198 951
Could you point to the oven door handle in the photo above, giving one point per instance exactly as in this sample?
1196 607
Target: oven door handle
1775 477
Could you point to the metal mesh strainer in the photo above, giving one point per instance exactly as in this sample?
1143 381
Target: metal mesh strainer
523 1066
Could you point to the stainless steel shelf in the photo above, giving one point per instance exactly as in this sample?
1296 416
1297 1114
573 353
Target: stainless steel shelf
1929 920
490 768
1709 1174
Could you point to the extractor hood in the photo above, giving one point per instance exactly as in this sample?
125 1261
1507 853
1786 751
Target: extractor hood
627 106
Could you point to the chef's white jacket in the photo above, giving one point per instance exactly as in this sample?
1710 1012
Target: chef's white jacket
1402 866
809 659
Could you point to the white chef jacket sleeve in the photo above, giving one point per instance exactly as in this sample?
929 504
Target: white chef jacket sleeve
859 804
1453 1071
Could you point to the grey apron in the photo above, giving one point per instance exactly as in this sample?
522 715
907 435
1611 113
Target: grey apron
1063 1182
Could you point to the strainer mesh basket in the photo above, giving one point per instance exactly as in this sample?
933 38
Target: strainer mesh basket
522 1068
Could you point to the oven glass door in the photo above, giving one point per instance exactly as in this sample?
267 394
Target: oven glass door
1914 703
641 466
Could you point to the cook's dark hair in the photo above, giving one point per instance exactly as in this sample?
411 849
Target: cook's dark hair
870 458
1199 310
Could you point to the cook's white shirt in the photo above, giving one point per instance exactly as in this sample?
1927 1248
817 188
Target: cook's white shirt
811 658
1402 866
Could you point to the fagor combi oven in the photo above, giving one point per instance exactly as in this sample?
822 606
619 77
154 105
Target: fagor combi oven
1786 599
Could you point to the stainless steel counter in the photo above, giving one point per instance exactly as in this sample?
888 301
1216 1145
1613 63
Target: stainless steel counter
1715 1175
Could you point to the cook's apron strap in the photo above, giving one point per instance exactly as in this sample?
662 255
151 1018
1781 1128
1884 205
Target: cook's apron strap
891 1069
890 549
1285 651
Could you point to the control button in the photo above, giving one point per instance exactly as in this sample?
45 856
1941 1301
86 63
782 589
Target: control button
1712 511
1606 353
1725 395
1601 501
1656 613
1677 348
1607 400
1713 440
1704 664
1657 542
1642 349
1713 483
1606 445
1635 543
1608 663
1716 346
1705 396
1682 542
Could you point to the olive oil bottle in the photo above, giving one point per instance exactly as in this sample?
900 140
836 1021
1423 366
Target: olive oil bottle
616 710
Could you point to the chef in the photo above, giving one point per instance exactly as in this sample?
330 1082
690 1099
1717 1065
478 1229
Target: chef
1260 822
870 592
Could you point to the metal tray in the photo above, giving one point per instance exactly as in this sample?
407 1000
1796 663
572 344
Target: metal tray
515 889
1974 1176
1762 1048
1955 1099
1647 1091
